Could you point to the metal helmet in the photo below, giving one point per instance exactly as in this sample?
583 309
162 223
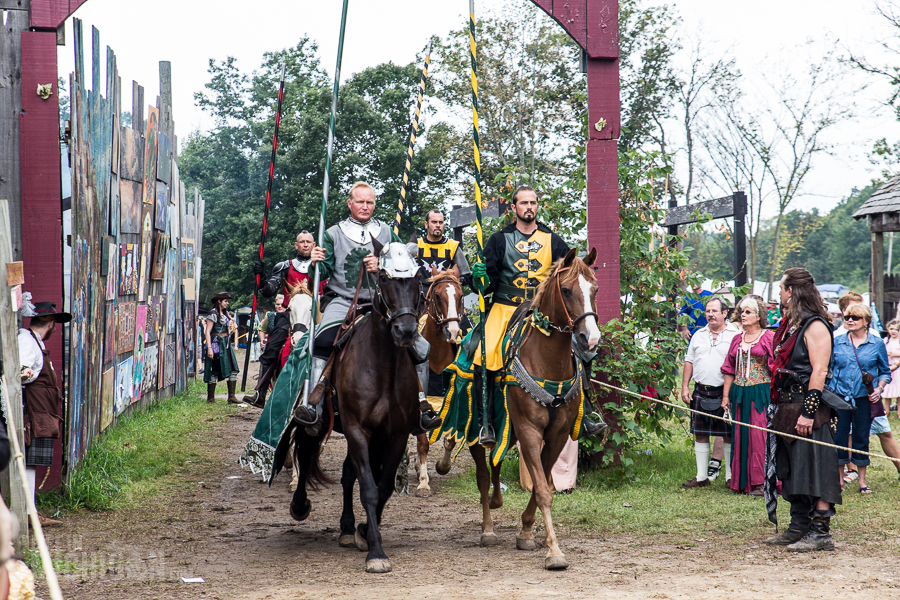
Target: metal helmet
395 259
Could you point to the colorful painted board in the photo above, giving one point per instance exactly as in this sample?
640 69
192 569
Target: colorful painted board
132 155
190 327
162 205
161 363
127 313
150 150
156 309
139 339
172 285
114 166
124 384
112 277
160 255
164 159
146 249
129 207
129 269
151 368
109 339
187 269
170 364
107 397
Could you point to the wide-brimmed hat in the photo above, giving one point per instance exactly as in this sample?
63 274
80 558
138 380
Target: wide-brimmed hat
47 310
220 296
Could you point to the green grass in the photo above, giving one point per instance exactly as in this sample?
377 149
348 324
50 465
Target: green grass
129 460
660 507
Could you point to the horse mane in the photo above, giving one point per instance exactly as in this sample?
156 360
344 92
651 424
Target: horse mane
300 288
444 275
578 267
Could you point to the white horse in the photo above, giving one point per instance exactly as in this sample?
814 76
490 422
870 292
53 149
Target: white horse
299 305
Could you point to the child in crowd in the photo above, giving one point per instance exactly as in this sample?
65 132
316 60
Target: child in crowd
892 391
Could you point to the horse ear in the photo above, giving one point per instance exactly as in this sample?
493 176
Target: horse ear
434 270
413 239
377 246
570 256
455 270
591 257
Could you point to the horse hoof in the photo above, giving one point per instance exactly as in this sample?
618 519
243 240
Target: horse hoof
347 540
300 515
423 492
489 539
442 468
378 565
555 563
525 544
361 544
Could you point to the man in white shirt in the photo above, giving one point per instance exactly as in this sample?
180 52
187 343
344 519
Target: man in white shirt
703 363
850 299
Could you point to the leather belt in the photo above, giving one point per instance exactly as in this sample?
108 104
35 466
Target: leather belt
709 388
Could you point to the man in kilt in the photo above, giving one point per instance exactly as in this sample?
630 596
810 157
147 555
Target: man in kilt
703 363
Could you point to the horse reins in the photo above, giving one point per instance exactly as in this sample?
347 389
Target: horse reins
572 324
429 302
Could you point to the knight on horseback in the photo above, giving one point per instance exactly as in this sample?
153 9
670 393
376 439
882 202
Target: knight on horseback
516 260
349 248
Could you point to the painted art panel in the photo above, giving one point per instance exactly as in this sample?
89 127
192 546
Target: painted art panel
151 368
129 269
146 248
124 384
107 397
112 278
129 207
156 307
162 205
170 364
127 315
160 255
187 268
172 285
107 247
164 159
139 340
131 155
190 328
115 206
161 363
114 166
109 339
150 150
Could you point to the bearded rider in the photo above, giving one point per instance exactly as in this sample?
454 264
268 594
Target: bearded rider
516 260
438 253
291 272
340 260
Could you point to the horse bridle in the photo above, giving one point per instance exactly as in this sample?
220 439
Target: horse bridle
434 315
391 316
571 324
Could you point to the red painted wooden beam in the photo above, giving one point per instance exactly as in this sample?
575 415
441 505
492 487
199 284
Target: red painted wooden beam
41 194
50 14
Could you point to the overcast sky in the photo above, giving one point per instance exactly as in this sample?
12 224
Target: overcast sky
190 32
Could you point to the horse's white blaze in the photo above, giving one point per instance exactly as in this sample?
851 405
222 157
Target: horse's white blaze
452 326
590 322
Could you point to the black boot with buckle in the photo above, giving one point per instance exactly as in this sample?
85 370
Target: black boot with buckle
800 521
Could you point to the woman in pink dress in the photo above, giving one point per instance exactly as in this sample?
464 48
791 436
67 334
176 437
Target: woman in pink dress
748 375
892 391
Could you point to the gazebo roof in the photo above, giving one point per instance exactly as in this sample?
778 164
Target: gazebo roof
885 199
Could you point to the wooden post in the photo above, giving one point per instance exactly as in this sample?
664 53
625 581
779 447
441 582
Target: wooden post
740 239
9 337
16 21
876 289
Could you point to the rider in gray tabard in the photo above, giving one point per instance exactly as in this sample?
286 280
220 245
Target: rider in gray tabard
341 244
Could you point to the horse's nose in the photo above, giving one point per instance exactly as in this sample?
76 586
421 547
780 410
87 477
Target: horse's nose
404 332
451 331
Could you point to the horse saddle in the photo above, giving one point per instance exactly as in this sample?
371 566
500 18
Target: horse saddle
346 330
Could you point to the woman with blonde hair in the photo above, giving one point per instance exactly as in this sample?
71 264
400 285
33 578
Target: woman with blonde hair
748 376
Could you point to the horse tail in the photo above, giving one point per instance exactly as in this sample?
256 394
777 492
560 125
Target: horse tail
307 450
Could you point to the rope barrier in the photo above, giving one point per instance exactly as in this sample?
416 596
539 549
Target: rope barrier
732 421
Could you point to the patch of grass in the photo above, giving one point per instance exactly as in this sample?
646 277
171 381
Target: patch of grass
127 461
32 558
652 502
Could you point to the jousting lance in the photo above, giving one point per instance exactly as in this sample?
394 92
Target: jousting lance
414 128
325 185
265 224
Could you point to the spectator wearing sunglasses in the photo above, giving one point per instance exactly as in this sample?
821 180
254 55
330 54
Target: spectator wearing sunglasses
849 299
859 367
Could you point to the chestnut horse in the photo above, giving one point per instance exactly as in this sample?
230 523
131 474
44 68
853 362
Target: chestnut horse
569 290
444 307
377 396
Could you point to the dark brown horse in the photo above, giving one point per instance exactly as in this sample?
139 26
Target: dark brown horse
377 397
568 299
443 311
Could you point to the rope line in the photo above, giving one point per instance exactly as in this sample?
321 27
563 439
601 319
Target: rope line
732 421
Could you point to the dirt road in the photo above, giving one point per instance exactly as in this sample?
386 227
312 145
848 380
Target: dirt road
218 522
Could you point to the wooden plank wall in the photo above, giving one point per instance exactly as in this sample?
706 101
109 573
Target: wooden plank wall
99 173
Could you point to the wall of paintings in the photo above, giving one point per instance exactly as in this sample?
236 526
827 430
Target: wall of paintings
136 248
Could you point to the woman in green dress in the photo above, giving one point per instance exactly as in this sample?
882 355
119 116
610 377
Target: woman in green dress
221 363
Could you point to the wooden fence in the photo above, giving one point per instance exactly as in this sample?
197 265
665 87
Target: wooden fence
136 246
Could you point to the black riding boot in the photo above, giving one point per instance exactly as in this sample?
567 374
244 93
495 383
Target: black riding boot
211 393
817 538
486 436
429 419
592 423
800 521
